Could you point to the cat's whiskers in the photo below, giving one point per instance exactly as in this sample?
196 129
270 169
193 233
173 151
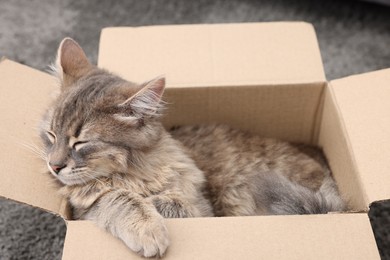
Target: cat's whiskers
34 149
79 174
84 177
90 174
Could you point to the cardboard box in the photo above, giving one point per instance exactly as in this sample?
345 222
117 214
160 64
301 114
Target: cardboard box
263 77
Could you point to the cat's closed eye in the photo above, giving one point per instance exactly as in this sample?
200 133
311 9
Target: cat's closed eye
79 144
52 137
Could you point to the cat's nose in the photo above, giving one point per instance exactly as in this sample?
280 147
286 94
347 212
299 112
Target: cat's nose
57 168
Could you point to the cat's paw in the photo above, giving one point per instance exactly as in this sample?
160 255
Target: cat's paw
149 238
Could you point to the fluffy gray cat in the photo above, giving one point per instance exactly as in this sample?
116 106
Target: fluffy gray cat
117 165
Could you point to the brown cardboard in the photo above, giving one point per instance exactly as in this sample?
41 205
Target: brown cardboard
214 55
354 136
24 94
364 107
334 140
244 75
288 112
345 236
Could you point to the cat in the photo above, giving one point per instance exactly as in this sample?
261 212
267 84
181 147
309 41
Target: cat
249 175
118 167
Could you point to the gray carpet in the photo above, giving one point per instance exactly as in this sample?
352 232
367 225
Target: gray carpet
354 37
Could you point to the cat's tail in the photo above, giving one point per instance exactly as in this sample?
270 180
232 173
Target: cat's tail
280 196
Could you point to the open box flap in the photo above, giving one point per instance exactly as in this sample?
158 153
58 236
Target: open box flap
24 93
363 102
345 236
214 54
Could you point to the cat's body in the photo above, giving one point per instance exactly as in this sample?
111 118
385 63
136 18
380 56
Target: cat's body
119 167
162 175
250 175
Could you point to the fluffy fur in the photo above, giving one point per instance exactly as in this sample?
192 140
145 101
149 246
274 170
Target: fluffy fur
250 175
120 168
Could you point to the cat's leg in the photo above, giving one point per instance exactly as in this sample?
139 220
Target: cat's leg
133 219
172 206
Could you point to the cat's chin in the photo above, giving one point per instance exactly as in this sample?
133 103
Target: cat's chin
68 179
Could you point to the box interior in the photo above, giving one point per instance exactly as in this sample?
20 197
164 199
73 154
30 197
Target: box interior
288 112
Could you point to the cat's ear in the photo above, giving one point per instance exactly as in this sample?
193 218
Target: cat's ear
146 103
71 63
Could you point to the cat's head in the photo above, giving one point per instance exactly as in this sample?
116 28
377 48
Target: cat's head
99 120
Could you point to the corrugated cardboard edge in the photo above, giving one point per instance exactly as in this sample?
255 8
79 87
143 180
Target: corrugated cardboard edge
318 116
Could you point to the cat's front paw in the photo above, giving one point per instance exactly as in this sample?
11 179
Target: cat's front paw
149 238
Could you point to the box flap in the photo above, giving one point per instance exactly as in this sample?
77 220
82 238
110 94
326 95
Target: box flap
213 55
24 93
346 236
363 102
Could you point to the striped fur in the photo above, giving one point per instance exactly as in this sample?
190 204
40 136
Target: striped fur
113 159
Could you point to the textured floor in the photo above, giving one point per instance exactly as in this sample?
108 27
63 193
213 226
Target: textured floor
354 37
